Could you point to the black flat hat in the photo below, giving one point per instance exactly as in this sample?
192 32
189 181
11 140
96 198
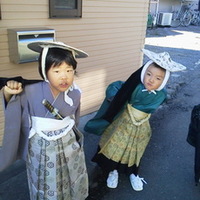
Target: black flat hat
38 46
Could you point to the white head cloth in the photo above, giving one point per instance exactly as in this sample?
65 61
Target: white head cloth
166 78
67 99
43 47
43 62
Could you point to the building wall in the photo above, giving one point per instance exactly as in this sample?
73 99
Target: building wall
111 32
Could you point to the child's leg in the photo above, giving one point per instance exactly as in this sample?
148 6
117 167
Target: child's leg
135 170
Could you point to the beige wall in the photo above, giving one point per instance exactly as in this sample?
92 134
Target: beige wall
112 32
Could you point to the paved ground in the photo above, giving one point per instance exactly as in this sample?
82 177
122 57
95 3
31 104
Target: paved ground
167 165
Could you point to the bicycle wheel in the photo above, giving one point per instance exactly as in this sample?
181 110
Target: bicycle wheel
175 23
187 18
196 19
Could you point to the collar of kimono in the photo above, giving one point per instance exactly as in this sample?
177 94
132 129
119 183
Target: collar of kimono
67 99
152 91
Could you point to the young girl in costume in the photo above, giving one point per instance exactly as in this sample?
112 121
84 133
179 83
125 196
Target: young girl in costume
45 136
126 118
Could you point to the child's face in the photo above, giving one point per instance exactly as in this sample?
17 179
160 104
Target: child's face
153 77
60 78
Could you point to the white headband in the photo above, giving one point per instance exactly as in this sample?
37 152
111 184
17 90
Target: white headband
67 99
166 78
43 62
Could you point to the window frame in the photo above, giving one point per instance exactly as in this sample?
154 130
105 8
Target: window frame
65 13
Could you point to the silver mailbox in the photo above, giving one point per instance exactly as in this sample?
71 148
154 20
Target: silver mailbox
18 39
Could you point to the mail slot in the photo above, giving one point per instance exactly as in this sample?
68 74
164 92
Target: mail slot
18 39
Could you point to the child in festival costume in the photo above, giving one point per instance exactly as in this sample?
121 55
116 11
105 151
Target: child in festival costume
46 137
126 118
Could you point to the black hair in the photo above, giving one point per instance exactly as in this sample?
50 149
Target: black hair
123 95
55 57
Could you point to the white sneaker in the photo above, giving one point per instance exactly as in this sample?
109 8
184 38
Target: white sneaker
112 180
137 182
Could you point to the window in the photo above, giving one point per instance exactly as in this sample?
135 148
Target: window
65 8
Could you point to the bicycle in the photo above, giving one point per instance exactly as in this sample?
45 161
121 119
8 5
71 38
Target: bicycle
196 18
177 16
183 16
187 17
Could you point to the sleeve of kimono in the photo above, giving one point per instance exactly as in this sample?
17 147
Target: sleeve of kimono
9 148
111 91
197 159
77 115
97 124
194 126
193 138
24 82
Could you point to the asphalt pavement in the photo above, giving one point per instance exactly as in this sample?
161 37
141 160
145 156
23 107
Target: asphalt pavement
167 164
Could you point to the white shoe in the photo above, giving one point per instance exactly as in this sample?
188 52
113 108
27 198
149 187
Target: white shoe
112 180
137 182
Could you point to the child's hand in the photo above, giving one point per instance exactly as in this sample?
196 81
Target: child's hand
11 88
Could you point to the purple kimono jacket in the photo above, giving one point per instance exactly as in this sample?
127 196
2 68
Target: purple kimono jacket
17 118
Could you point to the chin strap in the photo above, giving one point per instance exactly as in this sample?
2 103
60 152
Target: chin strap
67 99
44 54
